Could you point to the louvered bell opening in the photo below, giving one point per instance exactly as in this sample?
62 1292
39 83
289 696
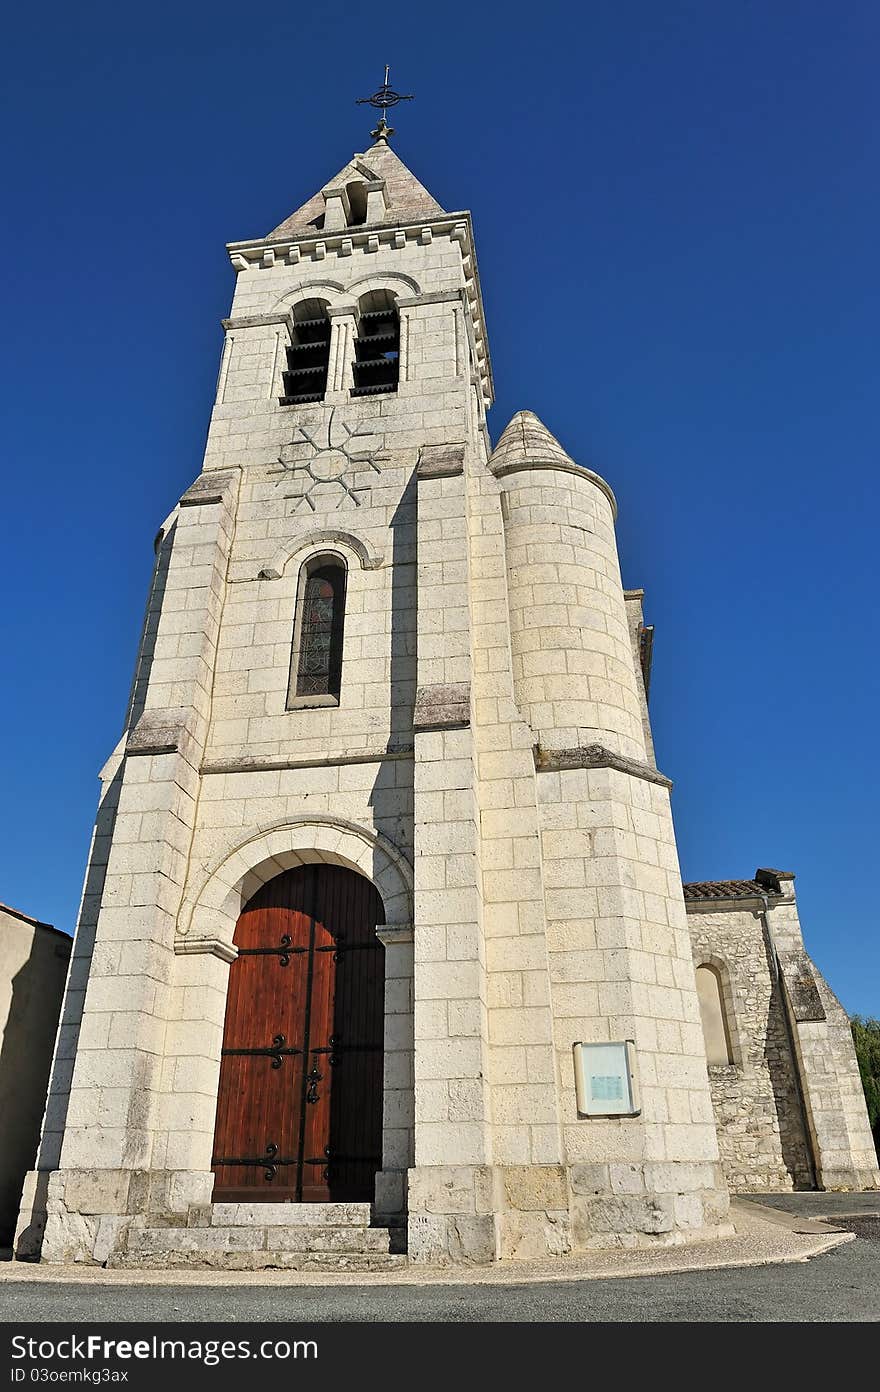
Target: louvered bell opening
308 359
377 354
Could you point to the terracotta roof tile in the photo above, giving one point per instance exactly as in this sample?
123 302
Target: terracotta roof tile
728 889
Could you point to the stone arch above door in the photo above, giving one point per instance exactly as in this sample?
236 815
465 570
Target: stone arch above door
209 915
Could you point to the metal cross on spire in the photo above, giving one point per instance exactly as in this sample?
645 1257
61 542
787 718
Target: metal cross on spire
382 100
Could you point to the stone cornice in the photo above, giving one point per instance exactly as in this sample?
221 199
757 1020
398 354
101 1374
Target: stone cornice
390 934
215 947
210 487
255 321
705 906
431 297
754 903
161 731
442 706
440 222
596 756
254 764
440 461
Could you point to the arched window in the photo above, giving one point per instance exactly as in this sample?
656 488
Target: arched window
308 356
357 203
377 346
316 666
715 1029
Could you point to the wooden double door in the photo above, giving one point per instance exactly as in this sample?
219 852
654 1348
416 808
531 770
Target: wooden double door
299 1106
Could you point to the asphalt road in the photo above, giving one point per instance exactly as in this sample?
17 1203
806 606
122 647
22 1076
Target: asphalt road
842 1285
812 1203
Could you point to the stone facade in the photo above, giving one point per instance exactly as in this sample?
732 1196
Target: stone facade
488 765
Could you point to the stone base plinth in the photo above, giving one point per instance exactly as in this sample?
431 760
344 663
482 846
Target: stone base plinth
70 1216
480 1214
458 1215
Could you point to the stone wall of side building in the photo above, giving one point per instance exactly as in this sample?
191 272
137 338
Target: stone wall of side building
789 1106
33 965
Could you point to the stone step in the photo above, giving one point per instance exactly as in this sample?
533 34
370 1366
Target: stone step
252 1247
269 1260
289 1215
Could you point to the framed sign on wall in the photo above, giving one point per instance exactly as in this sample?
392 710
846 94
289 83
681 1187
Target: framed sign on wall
605 1079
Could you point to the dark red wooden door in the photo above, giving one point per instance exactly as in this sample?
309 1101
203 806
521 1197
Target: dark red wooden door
299 1106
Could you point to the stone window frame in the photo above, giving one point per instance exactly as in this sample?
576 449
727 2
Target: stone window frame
721 968
309 563
343 302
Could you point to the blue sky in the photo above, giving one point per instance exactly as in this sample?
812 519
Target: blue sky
677 212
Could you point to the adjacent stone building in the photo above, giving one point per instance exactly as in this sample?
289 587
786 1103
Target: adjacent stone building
383 945
788 1100
33 965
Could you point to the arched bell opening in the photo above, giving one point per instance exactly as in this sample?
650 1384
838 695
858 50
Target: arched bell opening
300 1098
308 353
377 346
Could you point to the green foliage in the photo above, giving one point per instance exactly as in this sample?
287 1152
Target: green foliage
866 1037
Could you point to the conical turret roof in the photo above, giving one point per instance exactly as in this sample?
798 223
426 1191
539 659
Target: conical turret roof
527 443
408 199
526 440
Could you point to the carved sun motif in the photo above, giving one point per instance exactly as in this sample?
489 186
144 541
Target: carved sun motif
318 462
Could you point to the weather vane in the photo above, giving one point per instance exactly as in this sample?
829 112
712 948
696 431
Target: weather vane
382 100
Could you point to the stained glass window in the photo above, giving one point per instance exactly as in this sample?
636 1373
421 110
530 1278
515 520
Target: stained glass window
319 665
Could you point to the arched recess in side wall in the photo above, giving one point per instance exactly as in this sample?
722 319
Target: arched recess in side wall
716 1011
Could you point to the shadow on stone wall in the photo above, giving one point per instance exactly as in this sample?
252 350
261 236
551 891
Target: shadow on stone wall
147 645
25 1061
396 776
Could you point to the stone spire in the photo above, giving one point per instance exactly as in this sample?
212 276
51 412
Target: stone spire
406 199
527 440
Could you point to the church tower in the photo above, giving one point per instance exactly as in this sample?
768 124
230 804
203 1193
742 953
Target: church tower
383 934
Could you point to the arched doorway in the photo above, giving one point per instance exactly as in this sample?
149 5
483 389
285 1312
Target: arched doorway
299 1105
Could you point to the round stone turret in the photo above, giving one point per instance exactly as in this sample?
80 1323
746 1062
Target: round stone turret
574 671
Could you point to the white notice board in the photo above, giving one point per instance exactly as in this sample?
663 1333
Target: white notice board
605 1079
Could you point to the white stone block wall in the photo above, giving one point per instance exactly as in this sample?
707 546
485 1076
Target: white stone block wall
449 1215
620 968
